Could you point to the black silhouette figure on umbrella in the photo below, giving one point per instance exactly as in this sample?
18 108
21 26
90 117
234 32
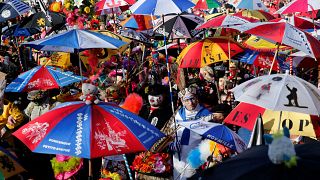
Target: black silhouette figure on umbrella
293 96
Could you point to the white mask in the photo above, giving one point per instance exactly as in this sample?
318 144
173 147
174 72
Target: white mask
155 100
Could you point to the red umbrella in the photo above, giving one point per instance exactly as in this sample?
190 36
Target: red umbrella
226 21
299 6
283 33
299 22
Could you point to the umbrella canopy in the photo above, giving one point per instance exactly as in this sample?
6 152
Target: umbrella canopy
207 51
258 44
299 6
42 78
12 8
179 25
110 4
88 131
134 35
254 163
75 39
283 33
280 92
299 22
248 4
256 14
10 165
160 7
225 21
216 132
245 115
40 19
17 30
140 22
207 4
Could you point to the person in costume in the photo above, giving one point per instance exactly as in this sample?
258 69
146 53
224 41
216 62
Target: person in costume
186 140
157 111
65 167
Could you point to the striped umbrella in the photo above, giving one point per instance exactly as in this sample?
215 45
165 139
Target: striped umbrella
207 51
12 8
207 4
179 25
299 6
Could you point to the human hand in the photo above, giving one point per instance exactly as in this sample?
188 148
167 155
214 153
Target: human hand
11 121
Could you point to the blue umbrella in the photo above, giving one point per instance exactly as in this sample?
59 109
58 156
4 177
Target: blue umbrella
75 39
16 30
42 78
160 7
216 132
88 131
12 8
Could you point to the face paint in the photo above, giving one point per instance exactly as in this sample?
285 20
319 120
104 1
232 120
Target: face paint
155 100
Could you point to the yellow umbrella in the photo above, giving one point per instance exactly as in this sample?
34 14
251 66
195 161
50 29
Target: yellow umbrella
207 51
207 17
256 14
59 59
298 123
259 44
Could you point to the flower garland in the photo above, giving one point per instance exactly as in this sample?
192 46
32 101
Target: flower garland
81 13
152 163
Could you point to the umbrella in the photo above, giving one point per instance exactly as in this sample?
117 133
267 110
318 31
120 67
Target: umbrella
248 4
42 78
40 19
280 92
75 39
258 44
103 5
17 30
173 48
160 7
12 8
256 14
299 6
88 131
207 51
179 25
216 132
9 164
283 33
225 21
132 34
207 4
254 163
140 22
245 115
299 22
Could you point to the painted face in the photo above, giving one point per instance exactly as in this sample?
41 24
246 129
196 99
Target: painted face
155 100
190 103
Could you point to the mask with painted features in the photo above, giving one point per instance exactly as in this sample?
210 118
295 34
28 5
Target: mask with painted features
189 98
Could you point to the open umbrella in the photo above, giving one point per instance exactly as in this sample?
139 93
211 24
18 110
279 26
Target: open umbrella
178 25
207 51
88 131
207 4
42 78
248 4
245 115
299 22
280 92
254 163
134 35
140 22
12 8
256 14
283 33
299 6
40 19
9 164
17 30
259 44
225 21
75 39
216 132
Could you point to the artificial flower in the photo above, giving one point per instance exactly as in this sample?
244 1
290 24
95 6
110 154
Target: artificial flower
86 10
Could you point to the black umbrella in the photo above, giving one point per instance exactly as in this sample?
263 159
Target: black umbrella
40 19
179 25
254 163
12 8
16 30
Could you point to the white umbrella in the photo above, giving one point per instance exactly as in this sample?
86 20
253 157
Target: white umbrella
280 92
